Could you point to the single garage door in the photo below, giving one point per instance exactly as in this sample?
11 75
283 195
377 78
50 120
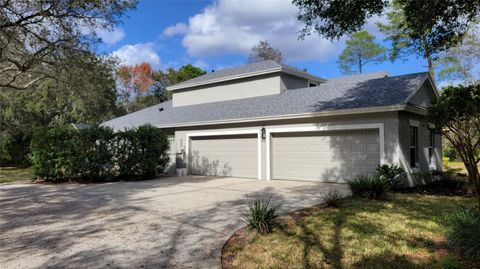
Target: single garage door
327 156
232 155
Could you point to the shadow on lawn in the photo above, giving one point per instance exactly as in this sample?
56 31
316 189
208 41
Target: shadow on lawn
400 229
385 260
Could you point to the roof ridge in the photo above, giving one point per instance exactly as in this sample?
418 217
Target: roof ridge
362 74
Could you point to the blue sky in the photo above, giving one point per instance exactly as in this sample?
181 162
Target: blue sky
219 34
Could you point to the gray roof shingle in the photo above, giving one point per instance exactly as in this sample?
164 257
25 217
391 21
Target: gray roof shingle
243 70
234 71
359 91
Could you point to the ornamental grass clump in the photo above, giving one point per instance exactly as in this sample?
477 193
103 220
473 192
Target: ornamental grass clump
332 198
371 186
261 215
464 231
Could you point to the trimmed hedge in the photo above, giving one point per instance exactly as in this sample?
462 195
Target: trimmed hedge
56 153
63 153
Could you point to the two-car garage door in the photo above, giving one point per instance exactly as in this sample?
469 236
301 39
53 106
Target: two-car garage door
324 156
327 156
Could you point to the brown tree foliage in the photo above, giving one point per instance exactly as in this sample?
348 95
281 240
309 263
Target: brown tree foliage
137 78
263 52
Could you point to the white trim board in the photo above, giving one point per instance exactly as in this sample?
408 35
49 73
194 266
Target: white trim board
257 131
316 127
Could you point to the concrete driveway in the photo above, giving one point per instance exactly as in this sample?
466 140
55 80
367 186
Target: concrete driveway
169 222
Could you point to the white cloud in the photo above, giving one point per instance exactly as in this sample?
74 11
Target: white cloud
138 53
179 28
372 28
449 82
110 37
201 63
234 27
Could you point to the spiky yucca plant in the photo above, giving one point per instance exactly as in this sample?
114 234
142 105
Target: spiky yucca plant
261 215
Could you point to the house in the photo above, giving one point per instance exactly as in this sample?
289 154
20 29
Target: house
270 121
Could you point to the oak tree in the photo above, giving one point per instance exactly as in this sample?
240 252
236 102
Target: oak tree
35 36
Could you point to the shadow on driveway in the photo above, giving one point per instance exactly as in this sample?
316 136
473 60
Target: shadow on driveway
169 222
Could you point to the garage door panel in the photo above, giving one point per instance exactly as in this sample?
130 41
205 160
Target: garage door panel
232 155
333 156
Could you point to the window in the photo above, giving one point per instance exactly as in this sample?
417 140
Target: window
413 146
431 145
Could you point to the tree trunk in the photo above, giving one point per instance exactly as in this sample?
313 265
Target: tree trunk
468 159
428 57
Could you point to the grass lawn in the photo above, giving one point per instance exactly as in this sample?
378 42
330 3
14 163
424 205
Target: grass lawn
456 165
13 174
404 231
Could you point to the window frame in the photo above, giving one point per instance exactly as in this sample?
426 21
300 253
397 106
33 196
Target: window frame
431 146
413 146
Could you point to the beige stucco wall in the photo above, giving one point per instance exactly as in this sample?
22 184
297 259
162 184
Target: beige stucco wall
229 90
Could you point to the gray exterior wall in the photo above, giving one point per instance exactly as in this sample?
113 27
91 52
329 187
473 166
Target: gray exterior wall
292 82
423 96
396 139
229 90
424 163
389 120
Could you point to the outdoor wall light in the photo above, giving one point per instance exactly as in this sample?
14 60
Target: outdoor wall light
264 134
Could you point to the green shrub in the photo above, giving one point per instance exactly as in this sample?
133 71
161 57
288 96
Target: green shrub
332 198
393 173
464 231
372 186
14 148
450 153
96 153
141 152
153 145
261 216
126 154
55 153
61 153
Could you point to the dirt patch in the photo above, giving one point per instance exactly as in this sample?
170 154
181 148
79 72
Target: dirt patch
239 240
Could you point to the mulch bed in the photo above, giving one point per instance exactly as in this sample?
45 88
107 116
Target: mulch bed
440 187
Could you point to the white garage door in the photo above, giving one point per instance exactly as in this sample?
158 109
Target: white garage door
232 155
333 156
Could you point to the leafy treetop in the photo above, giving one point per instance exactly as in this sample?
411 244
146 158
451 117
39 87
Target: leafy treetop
360 49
